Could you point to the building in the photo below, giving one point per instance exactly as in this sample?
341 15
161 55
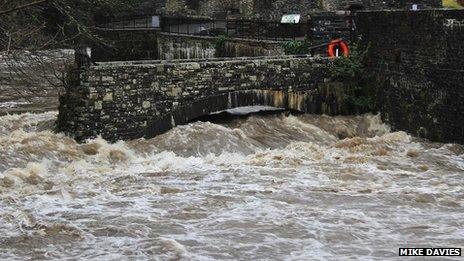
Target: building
274 9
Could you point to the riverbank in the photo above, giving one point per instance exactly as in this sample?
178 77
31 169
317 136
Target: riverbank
32 81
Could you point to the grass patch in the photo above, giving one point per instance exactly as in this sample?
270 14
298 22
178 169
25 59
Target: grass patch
452 4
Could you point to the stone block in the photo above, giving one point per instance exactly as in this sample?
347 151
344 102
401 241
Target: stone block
146 104
108 96
107 79
98 105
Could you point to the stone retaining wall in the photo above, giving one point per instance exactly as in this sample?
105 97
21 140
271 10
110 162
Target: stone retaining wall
416 60
132 100
174 46
141 45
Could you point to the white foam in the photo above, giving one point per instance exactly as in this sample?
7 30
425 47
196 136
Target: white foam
267 188
12 104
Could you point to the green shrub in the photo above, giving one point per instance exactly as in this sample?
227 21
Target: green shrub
220 45
350 71
348 68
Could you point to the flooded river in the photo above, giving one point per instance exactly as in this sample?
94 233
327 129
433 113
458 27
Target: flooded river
271 187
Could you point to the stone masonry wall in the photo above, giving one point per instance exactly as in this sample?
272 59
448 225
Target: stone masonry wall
416 67
132 100
141 45
172 47
197 47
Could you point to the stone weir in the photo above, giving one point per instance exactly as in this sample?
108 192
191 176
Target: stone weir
127 100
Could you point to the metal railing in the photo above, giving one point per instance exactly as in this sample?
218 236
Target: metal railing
318 29
236 28
139 23
250 29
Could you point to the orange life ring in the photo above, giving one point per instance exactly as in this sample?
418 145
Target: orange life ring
341 44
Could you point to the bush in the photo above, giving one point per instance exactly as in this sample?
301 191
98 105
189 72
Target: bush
350 71
349 68
220 45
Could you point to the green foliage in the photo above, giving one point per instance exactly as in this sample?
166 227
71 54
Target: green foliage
350 71
221 41
296 47
359 99
454 4
220 45
348 68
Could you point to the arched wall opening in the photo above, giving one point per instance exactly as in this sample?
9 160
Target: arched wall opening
295 101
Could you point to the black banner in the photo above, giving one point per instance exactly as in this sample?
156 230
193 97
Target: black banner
430 251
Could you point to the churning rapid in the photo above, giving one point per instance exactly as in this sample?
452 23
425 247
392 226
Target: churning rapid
261 187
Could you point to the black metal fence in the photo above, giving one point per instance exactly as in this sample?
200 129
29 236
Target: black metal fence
134 23
319 28
325 26
237 28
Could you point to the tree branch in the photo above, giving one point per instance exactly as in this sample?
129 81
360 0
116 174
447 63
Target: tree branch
23 7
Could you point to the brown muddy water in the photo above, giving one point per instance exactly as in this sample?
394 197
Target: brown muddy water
270 187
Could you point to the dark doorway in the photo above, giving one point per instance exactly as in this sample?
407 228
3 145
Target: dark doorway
355 7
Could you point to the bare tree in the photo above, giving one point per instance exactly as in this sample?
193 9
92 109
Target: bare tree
30 28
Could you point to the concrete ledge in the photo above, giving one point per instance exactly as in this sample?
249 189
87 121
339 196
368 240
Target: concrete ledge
233 39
